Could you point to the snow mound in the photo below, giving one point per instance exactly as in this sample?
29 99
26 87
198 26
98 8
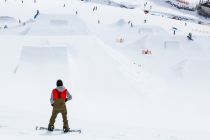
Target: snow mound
151 30
197 69
6 20
178 69
56 22
24 32
145 30
140 43
172 45
43 54
58 25
38 67
120 22
193 68
41 57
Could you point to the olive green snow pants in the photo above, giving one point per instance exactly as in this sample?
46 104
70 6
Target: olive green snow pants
59 107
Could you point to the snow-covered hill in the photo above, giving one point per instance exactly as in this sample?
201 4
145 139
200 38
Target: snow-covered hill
130 4
132 75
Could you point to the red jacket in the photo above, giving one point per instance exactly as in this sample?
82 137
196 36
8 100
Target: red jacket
61 92
57 94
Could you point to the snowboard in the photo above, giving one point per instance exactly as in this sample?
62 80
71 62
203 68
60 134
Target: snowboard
56 129
189 38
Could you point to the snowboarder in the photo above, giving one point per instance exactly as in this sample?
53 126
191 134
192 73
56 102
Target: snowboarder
37 13
174 32
131 25
190 36
59 96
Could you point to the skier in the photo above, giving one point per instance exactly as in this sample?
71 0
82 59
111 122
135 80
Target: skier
59 96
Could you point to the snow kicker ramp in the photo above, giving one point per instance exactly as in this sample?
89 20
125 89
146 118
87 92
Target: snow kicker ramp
9 21
38 70
58 25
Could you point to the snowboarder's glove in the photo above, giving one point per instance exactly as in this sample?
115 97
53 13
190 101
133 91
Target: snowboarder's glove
52 104
66 100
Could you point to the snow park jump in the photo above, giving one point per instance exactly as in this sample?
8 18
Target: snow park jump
103 70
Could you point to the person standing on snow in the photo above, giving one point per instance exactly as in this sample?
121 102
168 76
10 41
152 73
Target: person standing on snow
59 96
37 13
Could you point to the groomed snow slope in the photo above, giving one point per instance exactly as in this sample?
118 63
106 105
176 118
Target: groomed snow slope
118 92
82 68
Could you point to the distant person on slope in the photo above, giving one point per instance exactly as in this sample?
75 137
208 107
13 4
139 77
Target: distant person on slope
59 96
37 13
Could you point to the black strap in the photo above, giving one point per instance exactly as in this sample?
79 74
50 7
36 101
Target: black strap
59 93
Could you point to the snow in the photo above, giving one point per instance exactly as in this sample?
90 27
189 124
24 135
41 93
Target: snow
119 3
118 92
58 25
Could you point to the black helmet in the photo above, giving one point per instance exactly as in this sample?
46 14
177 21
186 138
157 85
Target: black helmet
59 83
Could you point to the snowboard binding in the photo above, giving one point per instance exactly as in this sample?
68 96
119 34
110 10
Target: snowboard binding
50 128
65 129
